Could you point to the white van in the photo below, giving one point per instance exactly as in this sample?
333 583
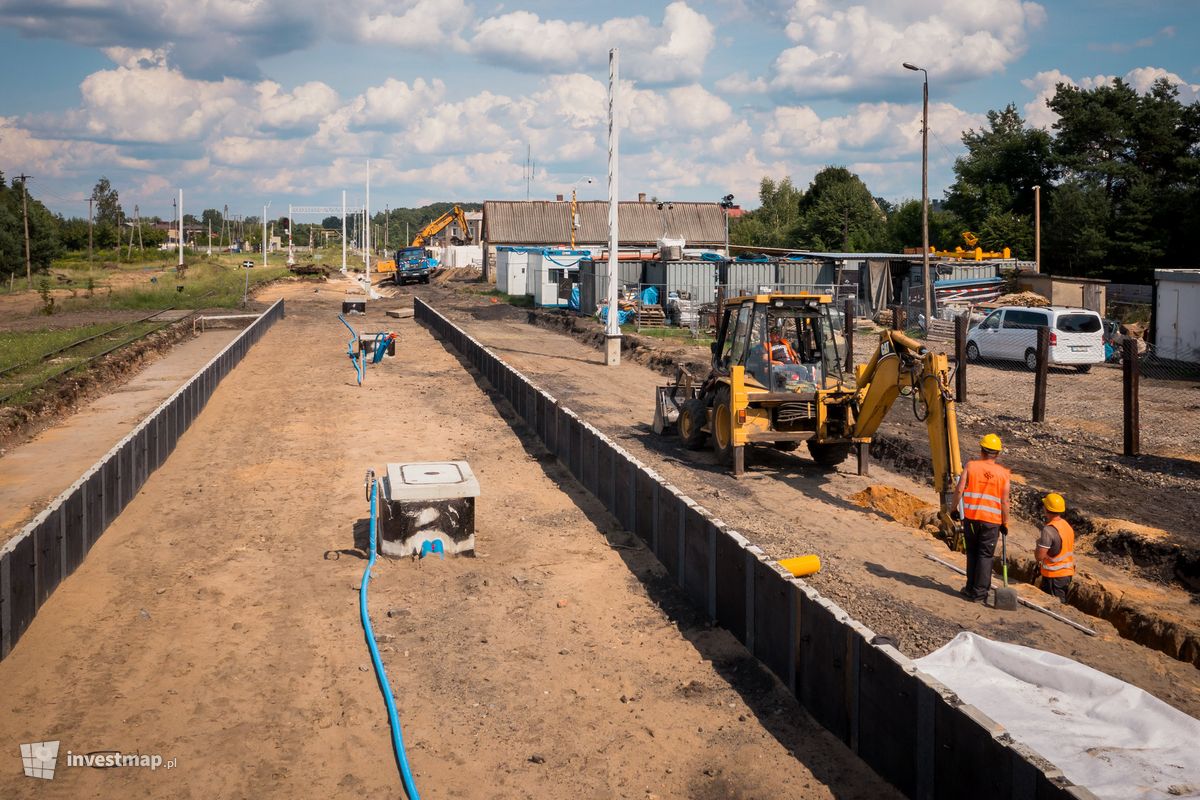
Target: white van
1010 334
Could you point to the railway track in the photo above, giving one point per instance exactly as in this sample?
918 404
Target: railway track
29 375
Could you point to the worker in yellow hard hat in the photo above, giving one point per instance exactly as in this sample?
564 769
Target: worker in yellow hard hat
1056 548
983 492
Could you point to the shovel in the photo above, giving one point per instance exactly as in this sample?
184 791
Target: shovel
1006 597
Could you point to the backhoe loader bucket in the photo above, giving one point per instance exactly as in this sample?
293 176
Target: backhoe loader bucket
668 400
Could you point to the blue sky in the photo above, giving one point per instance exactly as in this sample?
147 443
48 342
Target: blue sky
284 100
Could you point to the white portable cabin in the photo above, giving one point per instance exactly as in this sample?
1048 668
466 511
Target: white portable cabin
1177 314
547 269
512 263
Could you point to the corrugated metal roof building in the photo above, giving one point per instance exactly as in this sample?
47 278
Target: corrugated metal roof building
641 224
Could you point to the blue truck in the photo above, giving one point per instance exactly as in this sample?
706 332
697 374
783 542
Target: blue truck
413 266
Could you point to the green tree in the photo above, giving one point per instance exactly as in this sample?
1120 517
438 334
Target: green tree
838 212
1003 162
773 223
1075 239
904 227
1005 229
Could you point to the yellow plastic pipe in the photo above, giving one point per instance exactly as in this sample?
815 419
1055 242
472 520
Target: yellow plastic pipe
802 565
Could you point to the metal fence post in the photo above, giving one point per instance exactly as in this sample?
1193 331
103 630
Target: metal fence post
1043 372
961 323
1131 372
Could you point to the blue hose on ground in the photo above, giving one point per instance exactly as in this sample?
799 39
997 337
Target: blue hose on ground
358 365
410 788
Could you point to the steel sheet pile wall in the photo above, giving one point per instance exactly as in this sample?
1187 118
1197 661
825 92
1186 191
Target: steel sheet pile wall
908 727
49 548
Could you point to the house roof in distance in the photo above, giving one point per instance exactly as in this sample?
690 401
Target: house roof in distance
531 222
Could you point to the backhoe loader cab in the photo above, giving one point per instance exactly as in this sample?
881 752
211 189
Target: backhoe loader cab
776 380
785 344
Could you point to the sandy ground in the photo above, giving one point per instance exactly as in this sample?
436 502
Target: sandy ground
216 621
63 452
874 567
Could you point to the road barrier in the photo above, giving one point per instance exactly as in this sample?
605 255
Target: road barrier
909 728
48 549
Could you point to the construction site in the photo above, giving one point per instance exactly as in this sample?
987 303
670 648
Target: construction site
402 530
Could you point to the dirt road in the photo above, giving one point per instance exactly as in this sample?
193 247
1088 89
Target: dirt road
873 567
216 621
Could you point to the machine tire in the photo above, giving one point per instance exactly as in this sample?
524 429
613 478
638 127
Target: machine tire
691 425
1031 360
828 455
425 279
722 422
972 352
787 447
1083 367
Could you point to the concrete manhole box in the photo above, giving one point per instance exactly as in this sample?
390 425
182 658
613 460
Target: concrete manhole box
428 501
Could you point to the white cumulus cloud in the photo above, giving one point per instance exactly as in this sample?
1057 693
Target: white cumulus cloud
672 52
839 48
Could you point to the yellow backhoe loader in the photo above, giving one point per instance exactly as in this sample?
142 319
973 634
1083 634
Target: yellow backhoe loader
777 379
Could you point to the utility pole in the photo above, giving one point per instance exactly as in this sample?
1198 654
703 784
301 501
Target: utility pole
268 205
1037 228
210 238
612 331
343 230
25 217
387 223
367 228
90 199
181 227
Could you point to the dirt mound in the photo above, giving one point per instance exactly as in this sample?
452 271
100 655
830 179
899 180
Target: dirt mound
897 504
456 274
1028 299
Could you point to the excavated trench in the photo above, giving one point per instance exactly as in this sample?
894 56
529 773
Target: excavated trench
1138 549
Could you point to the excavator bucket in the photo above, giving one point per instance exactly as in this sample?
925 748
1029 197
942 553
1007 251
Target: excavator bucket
668 400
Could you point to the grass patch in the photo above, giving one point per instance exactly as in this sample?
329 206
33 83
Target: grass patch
204 285
28 347
684 335
520 300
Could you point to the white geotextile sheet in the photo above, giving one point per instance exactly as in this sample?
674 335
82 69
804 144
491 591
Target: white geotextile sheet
1104 734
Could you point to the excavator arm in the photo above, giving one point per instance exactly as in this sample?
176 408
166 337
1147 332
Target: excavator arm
903 366
432 229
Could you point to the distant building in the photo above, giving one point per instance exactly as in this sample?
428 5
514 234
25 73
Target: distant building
641 224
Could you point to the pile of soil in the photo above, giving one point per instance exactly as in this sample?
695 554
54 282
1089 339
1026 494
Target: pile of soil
897 504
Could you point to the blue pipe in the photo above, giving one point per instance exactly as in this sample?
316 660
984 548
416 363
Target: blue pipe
358 365
410 788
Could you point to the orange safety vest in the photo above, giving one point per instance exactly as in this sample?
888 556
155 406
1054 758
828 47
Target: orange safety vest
1063 564
781 353
984 491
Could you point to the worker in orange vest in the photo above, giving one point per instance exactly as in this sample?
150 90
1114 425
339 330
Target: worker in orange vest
983 492
1056 548
778 349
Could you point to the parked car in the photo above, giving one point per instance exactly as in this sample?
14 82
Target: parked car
247 263
1010 334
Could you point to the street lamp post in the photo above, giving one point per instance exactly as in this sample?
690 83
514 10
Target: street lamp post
928 283
268 205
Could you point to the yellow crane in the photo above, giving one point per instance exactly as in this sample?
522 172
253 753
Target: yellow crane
972 252
438 225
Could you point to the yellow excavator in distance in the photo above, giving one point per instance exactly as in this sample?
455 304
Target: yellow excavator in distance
432 229
777 379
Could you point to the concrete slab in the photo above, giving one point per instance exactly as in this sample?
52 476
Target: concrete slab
430 480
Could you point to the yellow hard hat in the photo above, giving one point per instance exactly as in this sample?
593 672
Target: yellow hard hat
991 442
1054 503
